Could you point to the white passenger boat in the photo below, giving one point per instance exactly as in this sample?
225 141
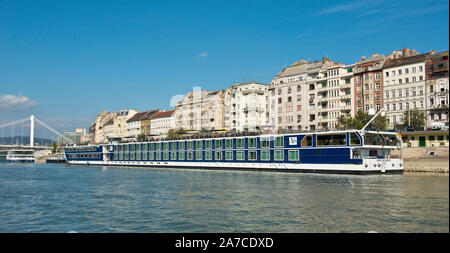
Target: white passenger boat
17 155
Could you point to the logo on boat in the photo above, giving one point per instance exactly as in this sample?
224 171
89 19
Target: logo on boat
292 140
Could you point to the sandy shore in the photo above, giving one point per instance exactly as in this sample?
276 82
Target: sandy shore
426 164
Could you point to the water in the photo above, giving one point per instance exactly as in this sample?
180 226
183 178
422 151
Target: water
61 198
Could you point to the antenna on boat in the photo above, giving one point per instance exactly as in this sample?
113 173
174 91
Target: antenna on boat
371 113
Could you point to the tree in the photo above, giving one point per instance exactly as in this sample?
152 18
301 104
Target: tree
360 120
140 138
416 117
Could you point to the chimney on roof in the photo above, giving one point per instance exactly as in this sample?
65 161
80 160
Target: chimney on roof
433 51
413 52
375 54
363 58
325 59
405 52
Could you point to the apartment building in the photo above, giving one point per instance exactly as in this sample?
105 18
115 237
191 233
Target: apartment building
120 130
201 110
161 122
403 86
146 123
436 68
135 126
335 89
96 130
294 102
247 106
368 83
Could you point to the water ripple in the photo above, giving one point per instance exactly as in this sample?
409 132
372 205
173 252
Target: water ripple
60 198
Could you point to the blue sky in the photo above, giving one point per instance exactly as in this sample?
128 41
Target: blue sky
66 61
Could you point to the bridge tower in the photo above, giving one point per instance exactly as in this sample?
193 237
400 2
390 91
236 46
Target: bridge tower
31 130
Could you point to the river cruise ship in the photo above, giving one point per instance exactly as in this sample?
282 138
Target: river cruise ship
17 155
350 151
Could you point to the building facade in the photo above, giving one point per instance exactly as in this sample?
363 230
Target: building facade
334 94
404 87
296 96
247 107
201 110
97 130
145 123
161 122
368 83
120 123
437 78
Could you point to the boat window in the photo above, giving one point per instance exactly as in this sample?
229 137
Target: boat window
218 156
279 141
240 155
307 141
218 144
190 145
354 139
190 155
240 143
229 143
208 155
145 147
252 155
380 139
229 155
166 146
138 156
151 156
208 144
265 142
158 146
252 142
132 157
158 156
331 139
199 155
265 155
138 147
199 145
181 145
293 155
145 156
166 156
181 156
126 156
173 146
279 155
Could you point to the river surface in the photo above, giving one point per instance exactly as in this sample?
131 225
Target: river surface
40 198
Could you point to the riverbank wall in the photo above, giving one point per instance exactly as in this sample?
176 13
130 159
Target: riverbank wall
425 159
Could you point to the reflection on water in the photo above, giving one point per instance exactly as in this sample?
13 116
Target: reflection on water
61 198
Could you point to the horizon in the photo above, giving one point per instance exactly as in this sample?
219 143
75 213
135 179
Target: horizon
66 62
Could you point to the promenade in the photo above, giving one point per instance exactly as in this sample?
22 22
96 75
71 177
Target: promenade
427 159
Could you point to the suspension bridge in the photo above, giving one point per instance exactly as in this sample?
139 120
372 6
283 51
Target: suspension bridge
32 145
